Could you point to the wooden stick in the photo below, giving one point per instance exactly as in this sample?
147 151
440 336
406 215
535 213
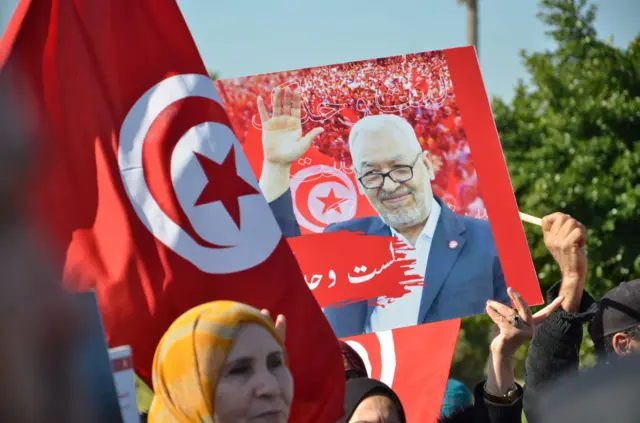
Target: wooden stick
530 219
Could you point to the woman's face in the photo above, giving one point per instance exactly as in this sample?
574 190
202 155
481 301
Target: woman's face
255 385
375 409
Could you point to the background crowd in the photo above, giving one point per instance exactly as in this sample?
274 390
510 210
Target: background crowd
416 86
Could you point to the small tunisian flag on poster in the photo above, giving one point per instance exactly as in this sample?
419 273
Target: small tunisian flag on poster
143 185
415 361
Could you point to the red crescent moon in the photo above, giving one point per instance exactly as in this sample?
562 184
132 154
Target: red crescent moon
165 132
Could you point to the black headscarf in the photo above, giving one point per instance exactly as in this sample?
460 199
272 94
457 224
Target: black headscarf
358 389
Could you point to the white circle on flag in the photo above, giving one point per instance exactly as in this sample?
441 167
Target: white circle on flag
344 190
240 249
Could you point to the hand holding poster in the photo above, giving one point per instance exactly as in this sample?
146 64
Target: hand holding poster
402 147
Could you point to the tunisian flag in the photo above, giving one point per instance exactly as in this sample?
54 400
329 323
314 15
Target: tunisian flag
415 361
144 187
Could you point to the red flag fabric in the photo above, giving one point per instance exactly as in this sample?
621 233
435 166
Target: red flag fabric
143 185
415 361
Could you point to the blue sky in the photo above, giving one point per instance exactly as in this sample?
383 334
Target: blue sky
244 37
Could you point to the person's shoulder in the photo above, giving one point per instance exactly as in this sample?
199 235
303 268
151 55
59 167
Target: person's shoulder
475 230
480 225
362 224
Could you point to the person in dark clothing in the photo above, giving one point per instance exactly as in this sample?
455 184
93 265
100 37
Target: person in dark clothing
607 393
369 400
353 365
615 328
554 351
500 398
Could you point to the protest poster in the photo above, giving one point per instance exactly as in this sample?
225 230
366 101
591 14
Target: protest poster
370 149
414 361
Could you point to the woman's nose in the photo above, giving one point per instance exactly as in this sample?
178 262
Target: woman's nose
266 384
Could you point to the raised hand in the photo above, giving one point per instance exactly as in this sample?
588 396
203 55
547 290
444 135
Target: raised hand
280 324
566 238
515 326
282 139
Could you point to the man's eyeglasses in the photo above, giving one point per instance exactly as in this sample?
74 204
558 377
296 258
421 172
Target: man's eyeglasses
399 174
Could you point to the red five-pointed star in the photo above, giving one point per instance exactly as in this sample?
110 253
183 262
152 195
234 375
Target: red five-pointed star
223 184
331 202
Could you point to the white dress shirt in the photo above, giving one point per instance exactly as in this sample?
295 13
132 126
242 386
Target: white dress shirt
404 311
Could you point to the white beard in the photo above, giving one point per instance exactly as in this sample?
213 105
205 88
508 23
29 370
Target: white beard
409 216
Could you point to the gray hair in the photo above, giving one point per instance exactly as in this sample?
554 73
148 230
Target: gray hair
376 123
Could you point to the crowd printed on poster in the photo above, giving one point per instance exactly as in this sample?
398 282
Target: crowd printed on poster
417 87
401 147
414 361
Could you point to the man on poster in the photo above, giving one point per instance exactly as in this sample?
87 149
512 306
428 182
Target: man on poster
455 255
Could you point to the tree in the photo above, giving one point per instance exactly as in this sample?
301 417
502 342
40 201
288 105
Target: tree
572 144
214 75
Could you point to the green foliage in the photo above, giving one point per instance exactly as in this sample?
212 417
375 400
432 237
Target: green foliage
214 75
571 141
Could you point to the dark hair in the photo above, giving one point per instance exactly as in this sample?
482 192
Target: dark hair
604 347
353 365
396 406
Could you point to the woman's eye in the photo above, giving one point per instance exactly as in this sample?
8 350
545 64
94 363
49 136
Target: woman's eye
239 370
275 363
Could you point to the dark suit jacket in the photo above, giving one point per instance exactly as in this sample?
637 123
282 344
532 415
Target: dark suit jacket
458 281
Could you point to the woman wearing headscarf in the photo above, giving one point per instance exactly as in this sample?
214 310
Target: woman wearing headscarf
353 365
221 362
371 401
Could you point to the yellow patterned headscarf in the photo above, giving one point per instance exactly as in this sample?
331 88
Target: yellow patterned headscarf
187 363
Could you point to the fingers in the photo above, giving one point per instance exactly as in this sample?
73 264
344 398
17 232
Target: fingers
543 314
521 305
276 102
497 318
557 224
280 323
563 232
281 326
286 105
262 110
504 310
549 220
568 226
296 104
305 142
577 236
